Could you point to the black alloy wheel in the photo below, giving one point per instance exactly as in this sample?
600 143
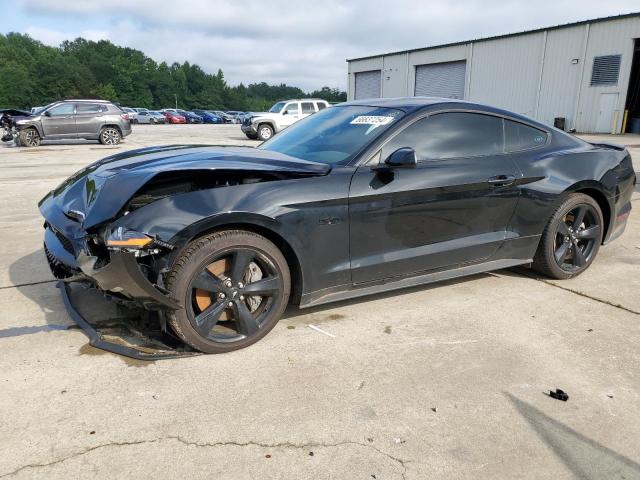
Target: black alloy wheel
234 285
225 304
576 237
571 239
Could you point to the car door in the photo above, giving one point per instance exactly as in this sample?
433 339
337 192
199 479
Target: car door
89 119
59 121
290 114
452 208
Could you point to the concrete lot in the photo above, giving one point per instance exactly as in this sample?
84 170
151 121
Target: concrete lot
445 381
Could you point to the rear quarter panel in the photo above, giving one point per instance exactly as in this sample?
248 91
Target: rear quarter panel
551 174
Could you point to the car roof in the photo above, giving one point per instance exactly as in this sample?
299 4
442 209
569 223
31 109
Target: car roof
414 104
303 100
85 100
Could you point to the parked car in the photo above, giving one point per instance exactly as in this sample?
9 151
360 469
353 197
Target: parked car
147 116
263 126
226 118
36 109
157 117
173 116
133 115
139 109
69 119
190 116
208 117
235 116
364 197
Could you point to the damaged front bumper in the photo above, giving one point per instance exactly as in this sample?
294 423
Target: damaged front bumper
144 347
121 275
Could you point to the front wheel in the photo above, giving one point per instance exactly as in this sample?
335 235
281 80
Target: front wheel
29 137
110 136
265 132
572 238
234 286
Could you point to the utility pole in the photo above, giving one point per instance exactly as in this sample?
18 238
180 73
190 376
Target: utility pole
176 97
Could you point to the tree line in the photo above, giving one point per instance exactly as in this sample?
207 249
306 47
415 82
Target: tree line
34 74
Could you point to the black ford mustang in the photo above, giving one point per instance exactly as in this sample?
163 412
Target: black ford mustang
363 197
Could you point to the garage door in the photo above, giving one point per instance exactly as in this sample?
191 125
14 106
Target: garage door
368 84
441 79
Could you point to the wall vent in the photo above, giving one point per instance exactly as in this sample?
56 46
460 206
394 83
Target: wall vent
606 70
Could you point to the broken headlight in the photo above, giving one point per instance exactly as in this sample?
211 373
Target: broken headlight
124 238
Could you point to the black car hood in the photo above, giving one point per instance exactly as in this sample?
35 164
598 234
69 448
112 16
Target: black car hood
98 192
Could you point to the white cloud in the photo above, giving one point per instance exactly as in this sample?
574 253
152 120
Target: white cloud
303 43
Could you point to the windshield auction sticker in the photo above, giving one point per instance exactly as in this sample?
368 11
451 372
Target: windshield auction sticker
376 120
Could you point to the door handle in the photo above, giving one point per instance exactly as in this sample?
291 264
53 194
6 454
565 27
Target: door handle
501 180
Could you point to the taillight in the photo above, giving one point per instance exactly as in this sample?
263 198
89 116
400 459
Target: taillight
124 116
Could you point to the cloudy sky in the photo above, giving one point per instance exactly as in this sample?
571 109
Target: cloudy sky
302 43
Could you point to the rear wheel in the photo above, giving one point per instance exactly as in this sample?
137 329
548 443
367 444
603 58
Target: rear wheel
234 286
29 137
572 238
265 132
110 136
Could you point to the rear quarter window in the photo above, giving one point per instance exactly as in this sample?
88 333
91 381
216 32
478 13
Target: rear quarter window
307 107
522 137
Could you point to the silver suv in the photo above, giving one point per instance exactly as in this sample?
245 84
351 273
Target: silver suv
264 125
70 119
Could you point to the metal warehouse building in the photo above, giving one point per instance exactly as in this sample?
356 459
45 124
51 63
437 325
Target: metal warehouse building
587 73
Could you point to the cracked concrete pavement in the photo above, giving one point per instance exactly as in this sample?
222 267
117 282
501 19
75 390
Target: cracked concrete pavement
442 381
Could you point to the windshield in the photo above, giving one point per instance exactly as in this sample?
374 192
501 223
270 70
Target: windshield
277 107
334 134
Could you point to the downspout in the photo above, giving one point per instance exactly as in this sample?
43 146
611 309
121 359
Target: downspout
538 94
581 79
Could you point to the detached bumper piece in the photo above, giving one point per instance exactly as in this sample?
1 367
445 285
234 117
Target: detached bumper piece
129 342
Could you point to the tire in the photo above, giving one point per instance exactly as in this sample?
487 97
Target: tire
29 137
251 136
212 278
110 136
265 131
571 239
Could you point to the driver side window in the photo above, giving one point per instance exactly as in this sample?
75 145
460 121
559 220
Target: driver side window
450 135
63 109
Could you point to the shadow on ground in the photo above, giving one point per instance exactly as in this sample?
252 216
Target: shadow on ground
101 312
585 457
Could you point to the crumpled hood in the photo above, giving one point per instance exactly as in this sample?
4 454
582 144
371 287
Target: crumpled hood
98 192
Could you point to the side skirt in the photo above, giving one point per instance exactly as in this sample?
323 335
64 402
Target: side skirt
319 298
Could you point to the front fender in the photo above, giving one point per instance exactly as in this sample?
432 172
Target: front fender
36 125
296 210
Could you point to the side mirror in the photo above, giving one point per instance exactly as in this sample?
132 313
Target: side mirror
47 113
286 112
402 158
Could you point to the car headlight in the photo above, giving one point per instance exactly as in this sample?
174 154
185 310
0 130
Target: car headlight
124 238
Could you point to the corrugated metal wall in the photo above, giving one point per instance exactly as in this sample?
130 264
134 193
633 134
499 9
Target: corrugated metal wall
542 74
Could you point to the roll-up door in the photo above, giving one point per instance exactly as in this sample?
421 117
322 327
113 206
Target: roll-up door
441 79
368 84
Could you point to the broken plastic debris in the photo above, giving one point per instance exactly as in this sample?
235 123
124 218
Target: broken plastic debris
559 395
398 440
318 329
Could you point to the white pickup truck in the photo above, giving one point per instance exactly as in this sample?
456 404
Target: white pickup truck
262 126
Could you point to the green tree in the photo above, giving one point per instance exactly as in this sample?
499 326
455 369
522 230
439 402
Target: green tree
33 74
